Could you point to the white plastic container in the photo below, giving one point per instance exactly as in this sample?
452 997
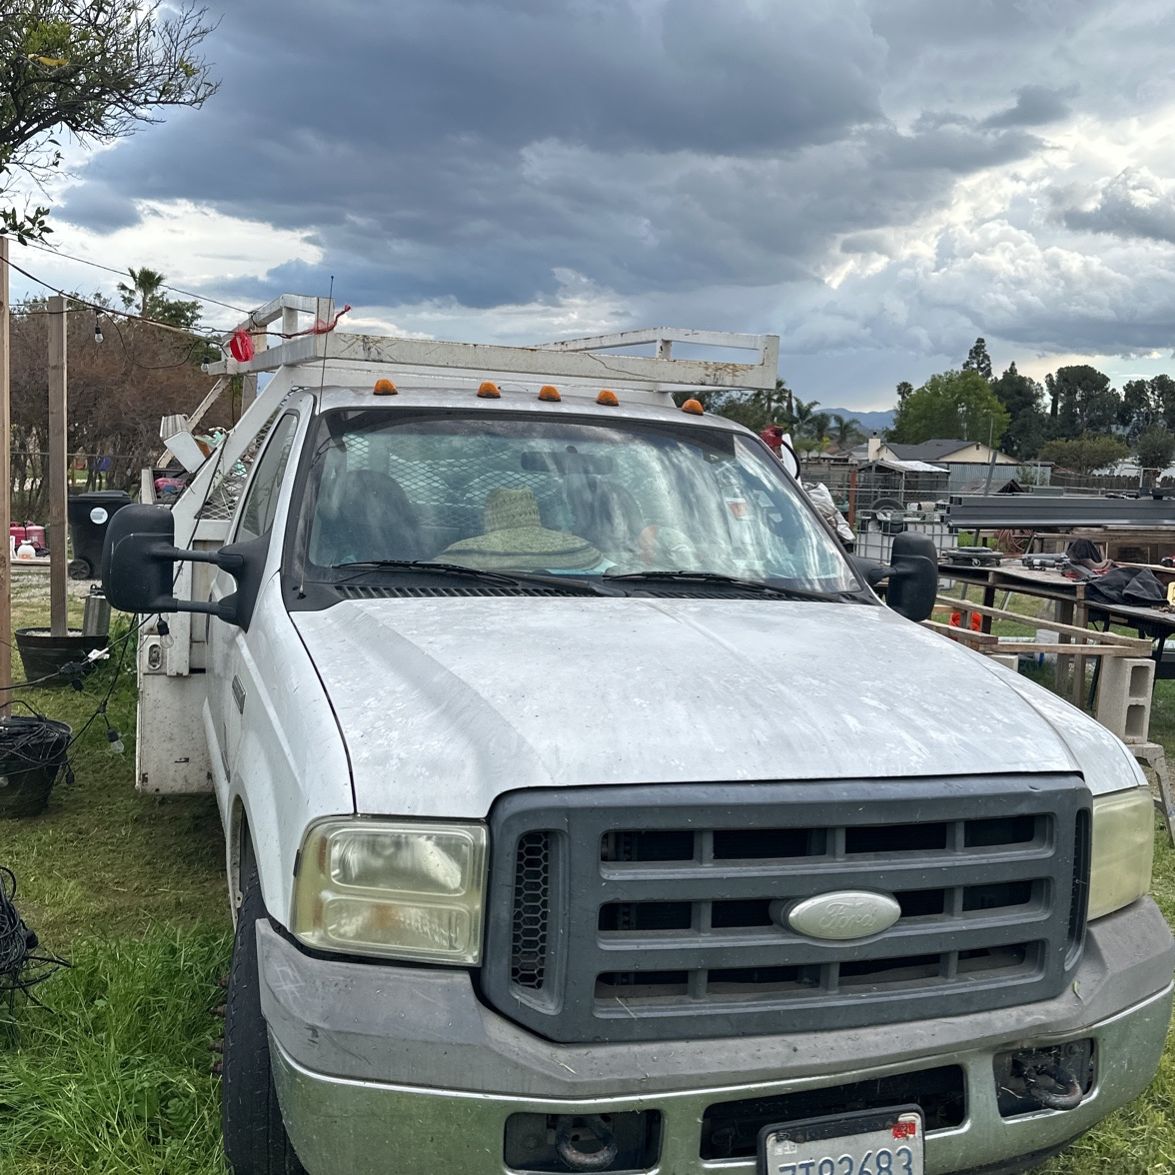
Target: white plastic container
1046 636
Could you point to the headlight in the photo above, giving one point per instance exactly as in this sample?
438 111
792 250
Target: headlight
403 888
1123 849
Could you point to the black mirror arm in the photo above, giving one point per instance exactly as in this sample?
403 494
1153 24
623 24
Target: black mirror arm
228 561
870 570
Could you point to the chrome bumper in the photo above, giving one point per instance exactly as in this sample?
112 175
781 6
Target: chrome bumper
382 1069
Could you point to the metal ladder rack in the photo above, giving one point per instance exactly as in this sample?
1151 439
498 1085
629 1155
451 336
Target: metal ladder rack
340 357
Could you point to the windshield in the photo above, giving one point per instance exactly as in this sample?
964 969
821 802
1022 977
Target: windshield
521 494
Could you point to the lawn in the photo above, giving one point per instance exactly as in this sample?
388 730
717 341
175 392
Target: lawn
114 1074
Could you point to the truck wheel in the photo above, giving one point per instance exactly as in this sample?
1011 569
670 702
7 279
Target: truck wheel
255 1139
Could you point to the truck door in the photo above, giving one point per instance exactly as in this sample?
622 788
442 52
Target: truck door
232 669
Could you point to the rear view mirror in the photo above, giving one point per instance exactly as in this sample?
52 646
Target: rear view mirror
913 576
568 461
138 560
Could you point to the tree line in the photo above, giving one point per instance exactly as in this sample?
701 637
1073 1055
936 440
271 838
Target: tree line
1075 419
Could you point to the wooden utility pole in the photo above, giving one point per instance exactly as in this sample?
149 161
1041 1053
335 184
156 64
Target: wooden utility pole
58 601
5 488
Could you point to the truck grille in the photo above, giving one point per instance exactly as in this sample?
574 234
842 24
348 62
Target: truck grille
639 913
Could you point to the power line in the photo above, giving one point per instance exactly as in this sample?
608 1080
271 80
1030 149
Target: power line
124 273
212 334
188 333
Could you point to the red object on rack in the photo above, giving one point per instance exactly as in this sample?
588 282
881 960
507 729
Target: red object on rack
241 346
773 435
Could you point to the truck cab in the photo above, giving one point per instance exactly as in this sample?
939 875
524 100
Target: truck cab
586 808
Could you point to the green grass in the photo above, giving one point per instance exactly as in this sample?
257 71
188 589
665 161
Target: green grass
1139 1139
114 1075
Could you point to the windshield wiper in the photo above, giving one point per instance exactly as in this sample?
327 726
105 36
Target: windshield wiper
755 585
569 584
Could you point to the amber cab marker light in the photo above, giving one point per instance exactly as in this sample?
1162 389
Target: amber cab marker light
489 390
384 387
693 407
607 397
549 392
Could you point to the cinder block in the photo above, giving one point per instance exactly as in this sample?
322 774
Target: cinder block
1124 693
1009 660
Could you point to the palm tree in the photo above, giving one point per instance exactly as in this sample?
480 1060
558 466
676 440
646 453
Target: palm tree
802 412
846 432
145 286
780 402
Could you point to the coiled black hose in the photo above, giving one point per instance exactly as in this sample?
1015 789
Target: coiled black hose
21 966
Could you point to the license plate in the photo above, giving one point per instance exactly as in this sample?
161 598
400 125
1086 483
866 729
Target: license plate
873 1142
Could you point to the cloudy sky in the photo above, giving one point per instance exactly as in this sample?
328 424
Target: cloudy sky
877 181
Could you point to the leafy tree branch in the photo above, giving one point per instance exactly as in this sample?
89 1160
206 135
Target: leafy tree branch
94 69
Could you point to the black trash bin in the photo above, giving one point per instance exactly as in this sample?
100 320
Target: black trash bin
88 515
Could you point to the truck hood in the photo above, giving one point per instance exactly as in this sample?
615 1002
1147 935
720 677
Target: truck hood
444 704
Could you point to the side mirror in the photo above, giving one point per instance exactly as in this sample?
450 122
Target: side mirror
913 576
137 564
138 567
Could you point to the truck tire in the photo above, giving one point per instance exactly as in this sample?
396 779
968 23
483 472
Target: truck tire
255 1138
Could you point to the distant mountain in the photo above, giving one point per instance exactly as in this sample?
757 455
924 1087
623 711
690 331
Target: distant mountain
869 421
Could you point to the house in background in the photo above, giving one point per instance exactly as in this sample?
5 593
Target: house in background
967 463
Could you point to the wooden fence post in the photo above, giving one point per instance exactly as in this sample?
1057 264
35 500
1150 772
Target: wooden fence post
58 473
5 488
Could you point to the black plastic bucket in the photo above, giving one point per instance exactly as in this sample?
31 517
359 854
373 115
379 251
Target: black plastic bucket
44 655
32 754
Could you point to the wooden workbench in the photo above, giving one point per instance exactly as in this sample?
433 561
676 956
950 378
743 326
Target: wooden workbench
1072 607
1009 576
1071 600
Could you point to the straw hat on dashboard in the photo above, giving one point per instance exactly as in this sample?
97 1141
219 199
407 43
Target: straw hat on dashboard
516 540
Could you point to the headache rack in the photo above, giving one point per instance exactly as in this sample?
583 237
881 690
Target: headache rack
312 352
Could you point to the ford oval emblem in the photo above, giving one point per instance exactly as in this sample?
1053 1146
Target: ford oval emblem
845 914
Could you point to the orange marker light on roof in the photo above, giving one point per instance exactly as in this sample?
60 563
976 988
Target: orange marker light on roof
384 387
489 390
693 407
607 397
549 392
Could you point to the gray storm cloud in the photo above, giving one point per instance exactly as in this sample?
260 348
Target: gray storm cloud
709 162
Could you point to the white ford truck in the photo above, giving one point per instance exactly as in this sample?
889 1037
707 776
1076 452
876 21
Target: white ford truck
585 807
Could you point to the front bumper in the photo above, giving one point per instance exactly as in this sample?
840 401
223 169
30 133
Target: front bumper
384 1068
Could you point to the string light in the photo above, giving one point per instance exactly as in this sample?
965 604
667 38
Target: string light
110 311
